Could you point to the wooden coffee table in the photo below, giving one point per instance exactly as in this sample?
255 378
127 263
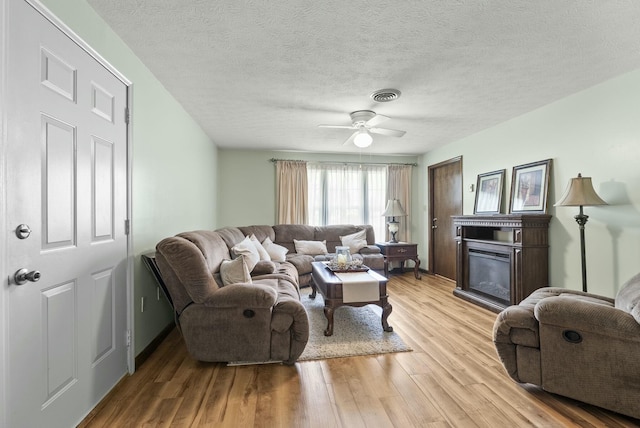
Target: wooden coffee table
329 285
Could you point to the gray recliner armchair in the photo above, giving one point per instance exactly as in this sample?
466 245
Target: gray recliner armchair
576 344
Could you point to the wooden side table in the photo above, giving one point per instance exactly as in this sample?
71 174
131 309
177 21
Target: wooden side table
399 252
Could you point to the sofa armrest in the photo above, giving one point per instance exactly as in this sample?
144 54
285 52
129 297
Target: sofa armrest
587 315
517 341
290 315
243 295
370 249
516 325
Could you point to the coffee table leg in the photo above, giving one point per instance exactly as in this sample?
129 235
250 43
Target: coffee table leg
313 289
328 313
386 311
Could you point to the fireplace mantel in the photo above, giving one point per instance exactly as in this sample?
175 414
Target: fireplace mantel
520 240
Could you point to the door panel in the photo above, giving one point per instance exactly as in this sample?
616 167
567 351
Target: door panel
445 184
58 184
66 173
59 326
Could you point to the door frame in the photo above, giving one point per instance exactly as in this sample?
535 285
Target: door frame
4 231
430 173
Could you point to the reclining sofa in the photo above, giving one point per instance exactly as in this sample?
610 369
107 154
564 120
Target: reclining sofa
257 316
576 344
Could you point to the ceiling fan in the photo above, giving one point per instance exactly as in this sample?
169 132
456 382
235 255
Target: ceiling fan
365 123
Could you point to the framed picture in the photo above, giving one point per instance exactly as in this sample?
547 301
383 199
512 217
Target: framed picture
529 187
489 190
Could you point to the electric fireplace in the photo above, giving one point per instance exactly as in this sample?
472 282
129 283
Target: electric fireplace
501 259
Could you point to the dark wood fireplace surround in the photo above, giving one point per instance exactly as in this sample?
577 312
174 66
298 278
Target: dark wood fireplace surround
520 239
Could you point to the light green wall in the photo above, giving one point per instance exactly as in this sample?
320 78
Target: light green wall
174 162
595 132
248 183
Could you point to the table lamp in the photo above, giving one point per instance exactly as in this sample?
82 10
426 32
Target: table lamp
393 210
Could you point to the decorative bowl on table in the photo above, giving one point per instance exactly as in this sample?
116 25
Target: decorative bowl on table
354 265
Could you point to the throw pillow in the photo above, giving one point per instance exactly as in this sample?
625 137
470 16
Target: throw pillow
261 251
628 298
355 241
235 271
264 267
312 248
276 252
246 248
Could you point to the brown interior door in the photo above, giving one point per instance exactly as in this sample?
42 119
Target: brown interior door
445 200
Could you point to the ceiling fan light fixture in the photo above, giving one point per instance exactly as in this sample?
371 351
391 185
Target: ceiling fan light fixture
363 139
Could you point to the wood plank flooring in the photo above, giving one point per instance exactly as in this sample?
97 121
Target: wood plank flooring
451 379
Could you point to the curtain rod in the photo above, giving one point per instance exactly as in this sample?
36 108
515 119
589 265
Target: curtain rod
344 163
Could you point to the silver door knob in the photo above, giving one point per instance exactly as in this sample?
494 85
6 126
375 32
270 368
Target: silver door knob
23 231
23 275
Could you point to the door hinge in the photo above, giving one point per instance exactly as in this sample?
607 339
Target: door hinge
128 338
127 227
126 115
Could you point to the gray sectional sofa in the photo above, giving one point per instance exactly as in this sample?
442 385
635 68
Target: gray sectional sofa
259 318
285 234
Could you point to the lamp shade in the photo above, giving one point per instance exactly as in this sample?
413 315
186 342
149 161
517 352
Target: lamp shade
580 192
394 209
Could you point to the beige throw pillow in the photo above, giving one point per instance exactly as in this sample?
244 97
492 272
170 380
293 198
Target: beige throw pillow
264 255
235 271
355 241
312 248
246 248
278 253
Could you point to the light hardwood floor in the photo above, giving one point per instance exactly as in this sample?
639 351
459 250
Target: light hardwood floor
451 379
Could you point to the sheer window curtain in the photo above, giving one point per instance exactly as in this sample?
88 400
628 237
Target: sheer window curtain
399 187
292 192
347 194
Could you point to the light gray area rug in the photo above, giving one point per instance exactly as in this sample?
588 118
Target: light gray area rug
356 331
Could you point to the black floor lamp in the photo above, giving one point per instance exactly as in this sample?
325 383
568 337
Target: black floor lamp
580 193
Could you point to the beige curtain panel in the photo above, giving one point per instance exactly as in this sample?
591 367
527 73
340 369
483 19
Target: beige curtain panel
399 187
292 192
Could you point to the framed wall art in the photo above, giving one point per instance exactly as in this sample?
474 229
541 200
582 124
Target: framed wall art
529 187
489 190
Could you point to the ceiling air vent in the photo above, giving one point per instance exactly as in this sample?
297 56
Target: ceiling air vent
385 95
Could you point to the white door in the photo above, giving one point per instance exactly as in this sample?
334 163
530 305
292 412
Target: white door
66 173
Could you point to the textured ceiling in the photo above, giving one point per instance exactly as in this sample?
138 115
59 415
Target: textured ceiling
263 74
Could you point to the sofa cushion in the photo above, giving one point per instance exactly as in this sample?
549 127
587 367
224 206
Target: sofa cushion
261 232
246 248
311 248
278 253
235 271
182 259
285 234
210 243
355 241
628 298
231 235
264 255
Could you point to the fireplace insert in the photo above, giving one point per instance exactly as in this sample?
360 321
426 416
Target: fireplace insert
489 275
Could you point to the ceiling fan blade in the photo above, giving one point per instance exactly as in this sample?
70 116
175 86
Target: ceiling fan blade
337 126
376 120
389 132
350 139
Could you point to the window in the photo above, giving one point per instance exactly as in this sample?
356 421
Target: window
347 194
